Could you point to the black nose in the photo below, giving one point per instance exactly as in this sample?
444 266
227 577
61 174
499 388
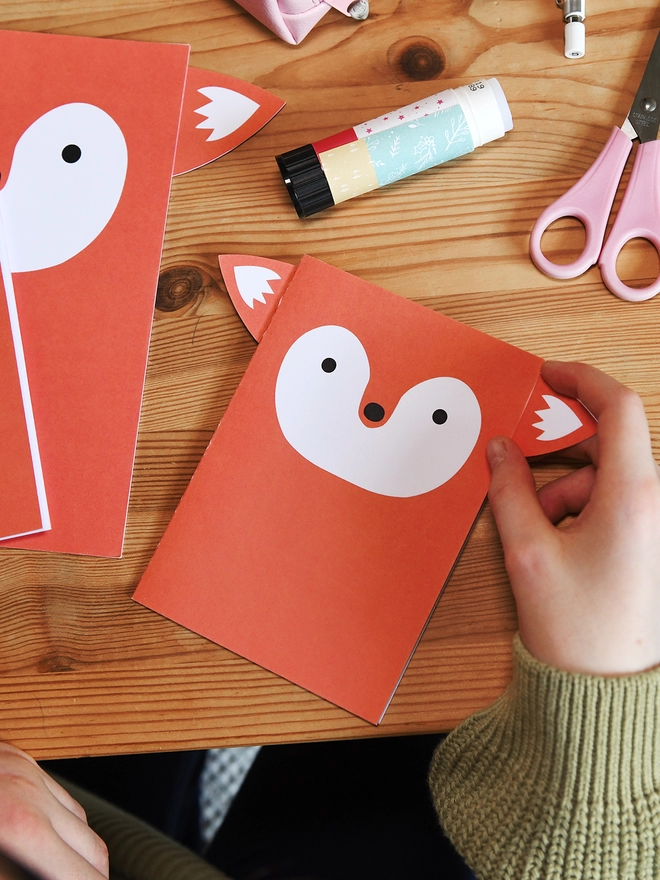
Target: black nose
374 412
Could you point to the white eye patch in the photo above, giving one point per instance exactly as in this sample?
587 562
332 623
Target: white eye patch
66 179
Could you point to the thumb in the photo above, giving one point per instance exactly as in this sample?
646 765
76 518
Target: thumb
518 513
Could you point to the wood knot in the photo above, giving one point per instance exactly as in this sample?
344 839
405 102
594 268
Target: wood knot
56 663
178 287
417 59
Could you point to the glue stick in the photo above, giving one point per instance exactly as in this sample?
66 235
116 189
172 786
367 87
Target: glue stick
416 137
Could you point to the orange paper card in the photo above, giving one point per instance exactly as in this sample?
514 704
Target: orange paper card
90 131
335 497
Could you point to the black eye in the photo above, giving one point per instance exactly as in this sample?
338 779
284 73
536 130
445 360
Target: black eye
71 153
439 416
328 365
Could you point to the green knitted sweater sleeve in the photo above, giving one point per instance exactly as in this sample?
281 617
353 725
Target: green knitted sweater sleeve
560 778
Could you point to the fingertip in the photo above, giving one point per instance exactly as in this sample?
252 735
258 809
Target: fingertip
501 450
567 495
512 492
562 375
496 451
508 466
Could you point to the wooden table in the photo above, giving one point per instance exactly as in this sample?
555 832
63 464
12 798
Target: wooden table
83 669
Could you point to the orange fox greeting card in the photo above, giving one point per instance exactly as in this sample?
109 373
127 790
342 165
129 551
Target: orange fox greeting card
92 130
329 509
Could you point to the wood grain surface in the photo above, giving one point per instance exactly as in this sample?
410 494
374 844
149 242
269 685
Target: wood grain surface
83 669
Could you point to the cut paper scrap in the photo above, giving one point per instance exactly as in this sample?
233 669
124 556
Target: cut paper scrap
331 505
91 130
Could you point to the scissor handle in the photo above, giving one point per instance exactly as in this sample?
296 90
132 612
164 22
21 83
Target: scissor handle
638 217
590 201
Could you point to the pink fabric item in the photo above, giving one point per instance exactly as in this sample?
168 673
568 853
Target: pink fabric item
291 20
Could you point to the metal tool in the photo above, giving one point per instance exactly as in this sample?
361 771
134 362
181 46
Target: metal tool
574 12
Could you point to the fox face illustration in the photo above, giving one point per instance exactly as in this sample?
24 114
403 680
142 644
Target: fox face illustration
329 509
338 406
422 444
65 181
93 130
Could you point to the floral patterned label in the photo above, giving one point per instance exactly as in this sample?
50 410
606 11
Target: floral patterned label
414 146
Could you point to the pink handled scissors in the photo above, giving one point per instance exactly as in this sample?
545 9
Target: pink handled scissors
590 199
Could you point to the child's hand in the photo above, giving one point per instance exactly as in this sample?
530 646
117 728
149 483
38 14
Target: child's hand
42 827
588 593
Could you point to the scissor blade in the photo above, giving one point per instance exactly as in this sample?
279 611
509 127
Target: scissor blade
644 115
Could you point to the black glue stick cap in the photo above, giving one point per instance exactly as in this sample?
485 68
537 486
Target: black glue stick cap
305 180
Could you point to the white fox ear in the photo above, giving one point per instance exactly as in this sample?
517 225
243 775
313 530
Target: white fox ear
225 111
255 285
552 422
557 421
231 111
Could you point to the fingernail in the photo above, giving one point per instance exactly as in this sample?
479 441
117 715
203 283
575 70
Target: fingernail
495 452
